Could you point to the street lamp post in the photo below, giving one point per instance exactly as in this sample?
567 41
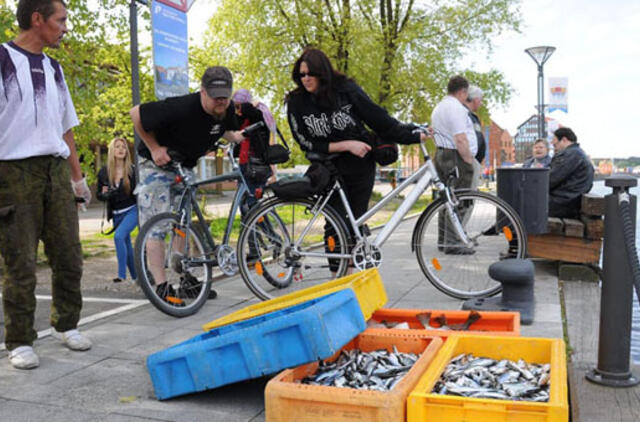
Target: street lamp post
540 55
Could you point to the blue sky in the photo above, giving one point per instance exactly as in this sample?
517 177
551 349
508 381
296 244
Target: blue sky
597 48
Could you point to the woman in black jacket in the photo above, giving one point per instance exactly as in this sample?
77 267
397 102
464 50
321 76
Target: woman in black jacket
116 182
328 112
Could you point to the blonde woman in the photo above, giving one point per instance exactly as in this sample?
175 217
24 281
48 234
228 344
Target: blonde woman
116 182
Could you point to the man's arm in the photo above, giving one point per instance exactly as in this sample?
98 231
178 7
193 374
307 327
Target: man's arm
562 166
78 183
158 152
74 162
462 145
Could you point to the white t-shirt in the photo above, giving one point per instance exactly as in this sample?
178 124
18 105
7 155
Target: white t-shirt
35 105
451 118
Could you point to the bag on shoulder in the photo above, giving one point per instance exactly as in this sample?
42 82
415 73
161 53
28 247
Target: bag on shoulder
276 153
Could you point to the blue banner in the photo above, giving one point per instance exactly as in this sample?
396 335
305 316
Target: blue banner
170 50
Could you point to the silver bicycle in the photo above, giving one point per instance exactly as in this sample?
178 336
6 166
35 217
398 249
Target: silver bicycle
456 238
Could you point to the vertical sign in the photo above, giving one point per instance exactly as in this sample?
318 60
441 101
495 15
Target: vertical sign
170 50
558 94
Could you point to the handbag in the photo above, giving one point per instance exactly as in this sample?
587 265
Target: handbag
383 153
257 170
107 216
276 153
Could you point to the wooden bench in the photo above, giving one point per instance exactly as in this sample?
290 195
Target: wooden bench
572 240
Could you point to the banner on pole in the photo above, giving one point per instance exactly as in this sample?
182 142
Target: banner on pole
558 94
170 50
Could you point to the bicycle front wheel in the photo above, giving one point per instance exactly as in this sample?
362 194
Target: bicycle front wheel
284 247
171 261
456 269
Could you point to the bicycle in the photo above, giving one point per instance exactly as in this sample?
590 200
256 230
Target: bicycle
456 238
188 252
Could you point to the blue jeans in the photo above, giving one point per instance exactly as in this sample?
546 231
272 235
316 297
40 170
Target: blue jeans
126 222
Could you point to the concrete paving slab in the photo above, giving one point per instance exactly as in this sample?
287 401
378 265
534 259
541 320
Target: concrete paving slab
21 411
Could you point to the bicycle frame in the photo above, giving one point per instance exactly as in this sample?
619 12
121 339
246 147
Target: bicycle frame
189 203
425 176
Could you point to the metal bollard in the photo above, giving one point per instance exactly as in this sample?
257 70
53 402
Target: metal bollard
614 342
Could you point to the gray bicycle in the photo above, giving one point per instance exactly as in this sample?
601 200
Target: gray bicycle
179 248
456 238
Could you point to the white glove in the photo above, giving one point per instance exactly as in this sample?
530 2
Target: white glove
81 190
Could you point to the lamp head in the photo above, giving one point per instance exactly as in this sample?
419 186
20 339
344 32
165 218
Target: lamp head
540 54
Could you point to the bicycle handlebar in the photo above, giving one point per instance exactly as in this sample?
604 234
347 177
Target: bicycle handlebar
248 131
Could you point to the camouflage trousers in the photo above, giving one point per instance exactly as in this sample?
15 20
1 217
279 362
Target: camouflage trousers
37 203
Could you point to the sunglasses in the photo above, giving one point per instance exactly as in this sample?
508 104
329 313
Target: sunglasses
309 74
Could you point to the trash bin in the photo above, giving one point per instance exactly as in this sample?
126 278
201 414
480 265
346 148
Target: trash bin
527 191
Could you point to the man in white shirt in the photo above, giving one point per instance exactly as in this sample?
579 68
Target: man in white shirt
39 176
454 134
455 137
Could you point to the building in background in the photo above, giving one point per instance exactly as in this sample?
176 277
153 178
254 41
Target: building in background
501 150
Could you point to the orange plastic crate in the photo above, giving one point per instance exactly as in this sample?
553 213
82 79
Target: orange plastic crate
490 323
289 400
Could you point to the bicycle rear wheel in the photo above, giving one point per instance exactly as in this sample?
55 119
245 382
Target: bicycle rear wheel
283 247
168 250
461 272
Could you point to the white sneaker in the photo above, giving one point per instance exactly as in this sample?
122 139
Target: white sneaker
24 357
73 339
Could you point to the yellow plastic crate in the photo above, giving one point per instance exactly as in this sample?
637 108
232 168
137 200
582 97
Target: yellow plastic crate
367 285
424 406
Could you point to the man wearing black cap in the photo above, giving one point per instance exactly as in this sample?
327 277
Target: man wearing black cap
190 125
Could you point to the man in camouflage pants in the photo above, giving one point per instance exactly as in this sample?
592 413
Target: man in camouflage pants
39 176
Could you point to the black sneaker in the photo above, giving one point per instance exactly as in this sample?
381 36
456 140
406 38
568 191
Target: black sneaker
190 287
166 292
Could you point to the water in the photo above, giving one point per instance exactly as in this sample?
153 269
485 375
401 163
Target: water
600 189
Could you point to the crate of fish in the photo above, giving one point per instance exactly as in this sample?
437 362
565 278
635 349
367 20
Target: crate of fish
259 346
367 286
487 379
368 380
444 323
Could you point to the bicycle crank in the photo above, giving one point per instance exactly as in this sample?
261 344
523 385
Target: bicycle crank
365 255
227 260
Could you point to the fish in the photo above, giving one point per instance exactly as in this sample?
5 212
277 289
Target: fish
480 377
424 319
379 370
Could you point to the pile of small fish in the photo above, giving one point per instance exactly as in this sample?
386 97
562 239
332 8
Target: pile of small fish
470 376
429 322
379 370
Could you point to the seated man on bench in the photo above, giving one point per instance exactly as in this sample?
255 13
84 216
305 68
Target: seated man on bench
571 175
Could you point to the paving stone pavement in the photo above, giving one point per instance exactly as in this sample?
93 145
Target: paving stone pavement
110 382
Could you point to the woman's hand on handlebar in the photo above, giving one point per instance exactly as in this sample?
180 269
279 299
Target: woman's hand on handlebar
160 156
357 148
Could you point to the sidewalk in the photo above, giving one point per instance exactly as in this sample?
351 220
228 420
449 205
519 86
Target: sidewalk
110 382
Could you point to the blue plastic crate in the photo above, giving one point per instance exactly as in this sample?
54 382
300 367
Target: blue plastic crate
259 346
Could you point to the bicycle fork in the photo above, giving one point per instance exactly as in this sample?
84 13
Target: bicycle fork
451 202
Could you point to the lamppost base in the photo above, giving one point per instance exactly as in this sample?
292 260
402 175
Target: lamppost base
612 380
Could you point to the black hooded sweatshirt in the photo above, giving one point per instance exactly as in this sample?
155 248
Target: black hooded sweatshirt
314 126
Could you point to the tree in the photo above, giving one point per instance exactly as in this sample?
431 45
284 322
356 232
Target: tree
96 62
402 52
